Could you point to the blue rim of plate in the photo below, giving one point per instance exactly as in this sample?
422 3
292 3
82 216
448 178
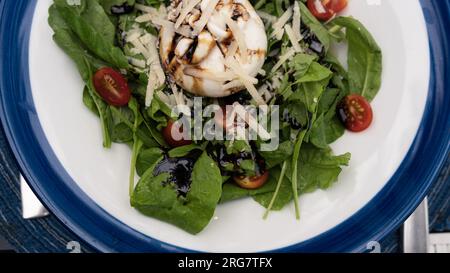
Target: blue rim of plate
47 177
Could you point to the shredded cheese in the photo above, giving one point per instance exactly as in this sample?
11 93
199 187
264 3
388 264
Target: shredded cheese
144 8
292 38
266 16
185 11
232 84
156 76
207 13
185 31
141 48
231 63
279 24
296 21
319 6
246 82
289 54
251 121
240 38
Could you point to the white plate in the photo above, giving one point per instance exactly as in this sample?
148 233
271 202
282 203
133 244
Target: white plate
75 136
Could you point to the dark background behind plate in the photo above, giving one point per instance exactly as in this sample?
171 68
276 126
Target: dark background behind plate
49 235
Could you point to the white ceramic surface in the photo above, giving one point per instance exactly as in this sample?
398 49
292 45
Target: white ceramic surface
75 136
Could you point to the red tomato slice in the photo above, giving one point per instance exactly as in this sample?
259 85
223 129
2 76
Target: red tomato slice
251 183
112 87
324 10
338 5
175 135
355 113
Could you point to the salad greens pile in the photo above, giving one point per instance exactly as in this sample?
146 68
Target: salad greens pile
184 185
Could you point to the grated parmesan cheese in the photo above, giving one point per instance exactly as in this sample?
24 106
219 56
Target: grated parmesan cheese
279 24
289 54
234 66
251 121
319 6
185 11
296 21
293 38
207 13
240 39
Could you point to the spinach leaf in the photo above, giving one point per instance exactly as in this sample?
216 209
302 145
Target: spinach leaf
326 130
364 58
301 63
92 27
311 85
153 198
159 112
316 27
184 150
108 4
147 158
275 158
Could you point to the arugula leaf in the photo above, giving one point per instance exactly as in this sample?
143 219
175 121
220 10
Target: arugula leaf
327 128
193 213
364 58
318 168
137 143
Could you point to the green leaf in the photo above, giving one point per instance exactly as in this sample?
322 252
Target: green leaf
276 200
147 158
316 27
275 158
364 58
193 213
301 63
319 168
184 150
326 130
88 26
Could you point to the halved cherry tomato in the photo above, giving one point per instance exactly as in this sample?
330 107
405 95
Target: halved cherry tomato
112 87
325 9
253 182
355 113
175 136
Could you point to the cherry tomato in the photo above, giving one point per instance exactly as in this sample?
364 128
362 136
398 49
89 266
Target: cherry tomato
253 182
330 8
174 135
355 113
112 87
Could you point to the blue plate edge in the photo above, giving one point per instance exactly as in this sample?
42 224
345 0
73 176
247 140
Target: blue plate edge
383 231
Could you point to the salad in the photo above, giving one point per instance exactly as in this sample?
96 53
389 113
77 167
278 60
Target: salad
221 99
